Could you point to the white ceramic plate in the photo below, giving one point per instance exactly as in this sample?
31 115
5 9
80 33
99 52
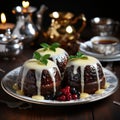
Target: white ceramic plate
86 48
10 79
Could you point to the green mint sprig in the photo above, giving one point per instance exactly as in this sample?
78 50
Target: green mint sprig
52 47
42 59
78 55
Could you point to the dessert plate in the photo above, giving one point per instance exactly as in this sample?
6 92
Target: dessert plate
10 78
86 48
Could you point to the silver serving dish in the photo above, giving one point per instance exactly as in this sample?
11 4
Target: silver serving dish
10 46
104 26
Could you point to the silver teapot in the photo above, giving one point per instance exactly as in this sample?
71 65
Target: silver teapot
25 28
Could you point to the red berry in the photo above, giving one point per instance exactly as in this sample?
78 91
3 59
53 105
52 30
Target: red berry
69 97
74 96
68 94
62 98
66 90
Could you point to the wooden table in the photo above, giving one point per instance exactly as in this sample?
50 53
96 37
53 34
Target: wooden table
103 109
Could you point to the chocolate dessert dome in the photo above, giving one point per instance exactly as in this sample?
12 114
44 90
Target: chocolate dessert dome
57 54
85 73
38 79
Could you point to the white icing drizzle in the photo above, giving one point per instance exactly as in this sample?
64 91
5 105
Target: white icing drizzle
52 74
58 55
25 70
38 67
83 63
98 79
38 81
82 79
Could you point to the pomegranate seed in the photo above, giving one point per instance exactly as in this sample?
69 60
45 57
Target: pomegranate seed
69 97
74 96
62 98
66 90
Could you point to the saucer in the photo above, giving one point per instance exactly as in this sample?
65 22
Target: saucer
87 48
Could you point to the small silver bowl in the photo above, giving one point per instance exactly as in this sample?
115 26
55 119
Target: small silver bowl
9 46
106 45
102 26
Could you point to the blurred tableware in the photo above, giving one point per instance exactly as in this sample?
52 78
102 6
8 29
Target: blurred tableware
10 46
25 25
104 26
106 45
65 28
87 48
116 102
1 70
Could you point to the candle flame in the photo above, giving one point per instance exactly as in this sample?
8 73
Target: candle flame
25 4
3 18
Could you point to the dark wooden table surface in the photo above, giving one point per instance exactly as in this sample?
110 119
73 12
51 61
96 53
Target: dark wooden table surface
103 109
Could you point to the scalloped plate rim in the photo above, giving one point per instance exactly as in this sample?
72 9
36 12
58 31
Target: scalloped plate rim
92 98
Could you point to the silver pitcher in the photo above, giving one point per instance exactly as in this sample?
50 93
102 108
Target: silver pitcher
25 27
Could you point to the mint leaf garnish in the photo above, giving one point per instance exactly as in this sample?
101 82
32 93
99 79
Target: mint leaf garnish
78 55
45 46
40 58
52 47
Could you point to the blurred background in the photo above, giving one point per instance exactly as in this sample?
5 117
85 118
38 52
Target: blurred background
91 8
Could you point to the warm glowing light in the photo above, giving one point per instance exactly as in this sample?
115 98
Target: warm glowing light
25 4
69 29
3 18
55 14
18 8
4 25
97 20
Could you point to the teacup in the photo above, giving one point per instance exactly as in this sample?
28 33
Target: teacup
106 45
